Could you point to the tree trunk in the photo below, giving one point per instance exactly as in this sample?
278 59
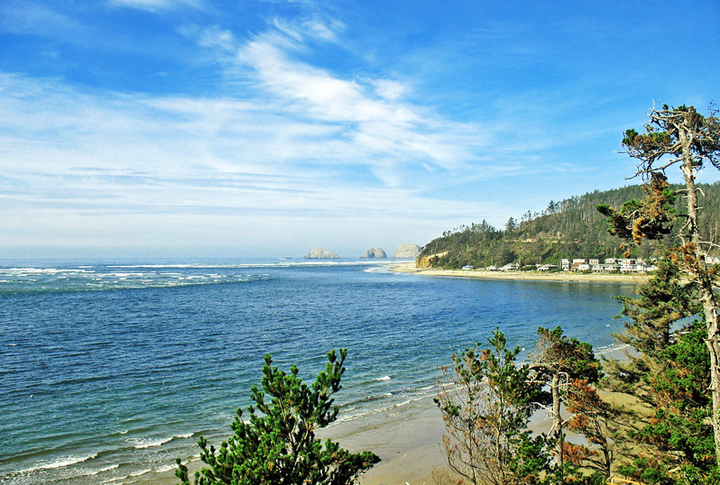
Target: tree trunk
558 426
713 344
707 294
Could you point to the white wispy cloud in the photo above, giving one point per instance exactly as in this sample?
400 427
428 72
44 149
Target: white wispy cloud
100 150
372 115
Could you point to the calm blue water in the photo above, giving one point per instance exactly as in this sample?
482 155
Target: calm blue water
109 371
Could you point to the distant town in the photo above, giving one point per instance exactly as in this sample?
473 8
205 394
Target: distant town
583 265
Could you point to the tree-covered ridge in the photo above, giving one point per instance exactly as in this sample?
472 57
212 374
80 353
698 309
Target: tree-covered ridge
572 228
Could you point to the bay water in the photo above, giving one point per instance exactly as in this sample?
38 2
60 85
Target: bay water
109 371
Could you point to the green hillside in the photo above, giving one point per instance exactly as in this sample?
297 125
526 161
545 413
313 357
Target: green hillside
572 228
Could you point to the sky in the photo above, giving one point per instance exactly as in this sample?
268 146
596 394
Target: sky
207 128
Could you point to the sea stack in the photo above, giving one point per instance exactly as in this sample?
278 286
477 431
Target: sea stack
374 253
407 251
320 253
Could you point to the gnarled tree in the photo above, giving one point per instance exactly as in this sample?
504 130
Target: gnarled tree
559 362
684 138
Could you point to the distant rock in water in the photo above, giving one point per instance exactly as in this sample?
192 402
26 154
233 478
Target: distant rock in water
374 253
320 253
404 251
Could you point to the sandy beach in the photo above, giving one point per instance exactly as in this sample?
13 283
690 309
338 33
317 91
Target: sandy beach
406 438
410 267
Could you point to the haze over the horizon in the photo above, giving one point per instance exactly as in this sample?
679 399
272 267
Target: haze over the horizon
267 128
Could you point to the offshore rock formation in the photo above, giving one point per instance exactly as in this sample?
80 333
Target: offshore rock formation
407 251
374 253
320 253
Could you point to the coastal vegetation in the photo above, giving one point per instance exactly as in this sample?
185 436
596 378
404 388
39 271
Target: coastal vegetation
668 436
645 418
489 402
571 228
486 411
278 444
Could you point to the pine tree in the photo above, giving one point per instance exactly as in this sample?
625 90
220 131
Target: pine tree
681 136
668 372
597 421
278 446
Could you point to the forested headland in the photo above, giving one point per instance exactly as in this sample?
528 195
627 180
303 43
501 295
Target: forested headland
571 228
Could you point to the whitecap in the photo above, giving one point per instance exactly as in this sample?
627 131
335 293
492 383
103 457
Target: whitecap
152 443
384 378
105 469
60 463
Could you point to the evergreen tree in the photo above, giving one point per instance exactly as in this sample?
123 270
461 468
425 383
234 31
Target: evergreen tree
668 372
683 137
486 407
597 421
278 446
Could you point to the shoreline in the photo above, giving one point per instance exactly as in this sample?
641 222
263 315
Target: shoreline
410 268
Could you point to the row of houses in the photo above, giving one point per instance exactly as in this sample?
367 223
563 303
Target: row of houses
609 265
615 265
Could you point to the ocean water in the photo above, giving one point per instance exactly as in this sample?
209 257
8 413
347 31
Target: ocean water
111 370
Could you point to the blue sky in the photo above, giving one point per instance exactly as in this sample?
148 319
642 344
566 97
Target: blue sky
203 128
